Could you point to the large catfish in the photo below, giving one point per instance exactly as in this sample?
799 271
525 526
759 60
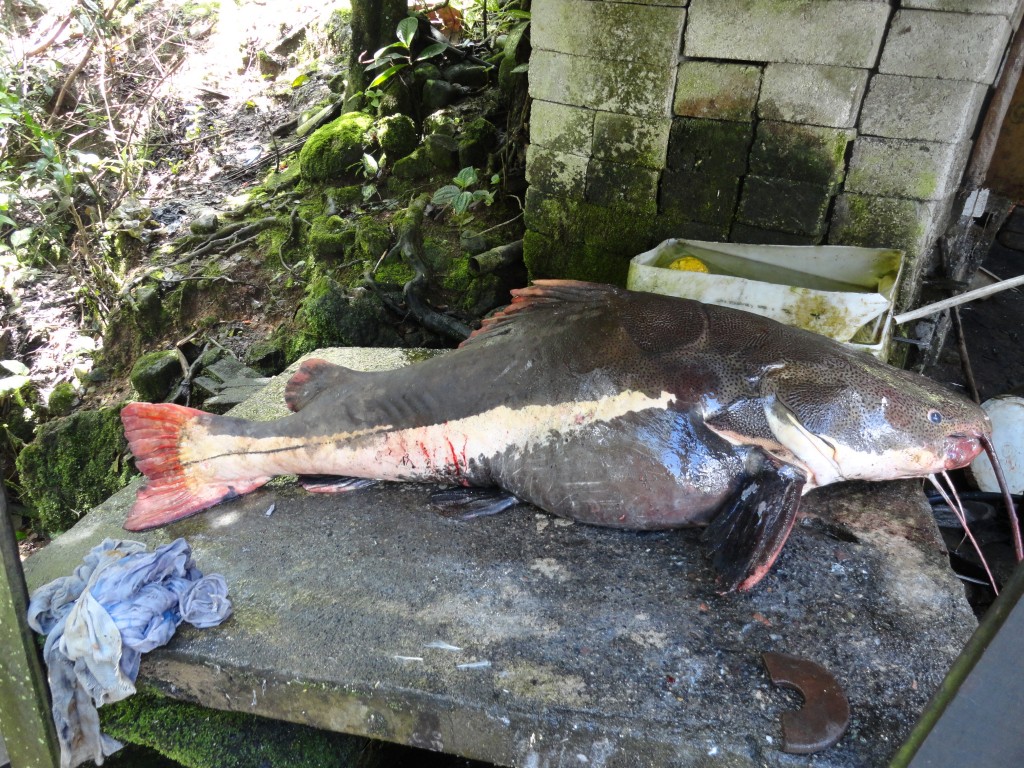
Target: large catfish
601 405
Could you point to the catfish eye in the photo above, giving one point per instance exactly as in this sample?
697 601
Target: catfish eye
934 417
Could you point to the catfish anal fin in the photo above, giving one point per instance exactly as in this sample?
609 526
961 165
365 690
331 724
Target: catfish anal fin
313 377
334 483
470 503
745 538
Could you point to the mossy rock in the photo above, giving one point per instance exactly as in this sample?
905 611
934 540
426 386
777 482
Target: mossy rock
268 357
398 99
62 399
443 151
332 150
469 75
441 121
372 238
438 94
415 166
476 142
73 464
154 374
397 136
345 197
329 317
331 236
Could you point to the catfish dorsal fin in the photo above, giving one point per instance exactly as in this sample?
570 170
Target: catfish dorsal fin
543 295
313 377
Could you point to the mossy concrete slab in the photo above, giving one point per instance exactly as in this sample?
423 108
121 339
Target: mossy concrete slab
924 108
562 128
842 32
923 170
624 87
526 640
919 45
608 30
716 90
812 94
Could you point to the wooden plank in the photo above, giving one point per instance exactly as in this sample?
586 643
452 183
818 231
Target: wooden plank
24 704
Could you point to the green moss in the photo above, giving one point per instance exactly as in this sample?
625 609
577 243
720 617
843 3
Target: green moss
800 152
333 149
607 237
397 135
469 292
329 317
417 165
394 272
372 238
73 464
331 236
206 738
476 141
61 399
345 197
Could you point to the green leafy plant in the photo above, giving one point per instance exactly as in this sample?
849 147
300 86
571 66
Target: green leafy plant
399 56
460 195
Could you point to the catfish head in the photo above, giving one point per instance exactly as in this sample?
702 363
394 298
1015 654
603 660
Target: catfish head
851 417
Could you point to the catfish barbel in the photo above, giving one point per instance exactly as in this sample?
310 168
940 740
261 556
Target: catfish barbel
597 404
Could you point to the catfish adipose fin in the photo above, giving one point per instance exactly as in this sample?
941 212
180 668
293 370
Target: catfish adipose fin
605 406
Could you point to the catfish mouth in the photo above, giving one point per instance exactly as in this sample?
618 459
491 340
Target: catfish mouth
961 450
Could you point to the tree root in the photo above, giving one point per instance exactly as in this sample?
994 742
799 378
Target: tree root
410 247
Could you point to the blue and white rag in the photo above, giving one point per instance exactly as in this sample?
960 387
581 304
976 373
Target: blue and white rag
120 603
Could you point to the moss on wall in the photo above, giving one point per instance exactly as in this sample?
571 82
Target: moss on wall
197 737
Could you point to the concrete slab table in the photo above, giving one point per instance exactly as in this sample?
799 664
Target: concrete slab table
525 640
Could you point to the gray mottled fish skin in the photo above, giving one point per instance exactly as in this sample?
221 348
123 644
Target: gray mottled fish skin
594 403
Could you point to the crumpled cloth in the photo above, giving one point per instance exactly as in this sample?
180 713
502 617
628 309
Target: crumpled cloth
120 603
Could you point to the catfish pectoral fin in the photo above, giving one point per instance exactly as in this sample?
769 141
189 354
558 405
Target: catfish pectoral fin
745 538
174 488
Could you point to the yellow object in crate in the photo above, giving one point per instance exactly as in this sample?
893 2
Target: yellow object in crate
689 264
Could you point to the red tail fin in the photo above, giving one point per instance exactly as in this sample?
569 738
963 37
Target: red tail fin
174 489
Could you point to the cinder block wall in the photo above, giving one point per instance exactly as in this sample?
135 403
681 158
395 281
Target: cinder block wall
760 121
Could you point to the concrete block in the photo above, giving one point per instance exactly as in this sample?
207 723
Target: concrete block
715 90
673 225
744 233
712 147
561 127
673 3
609 183
882 222
1002 7
800 152
626 87
928 109
784 205
901 168
843 32
812 93
556 173
608 30
631 140
954 46
694 196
